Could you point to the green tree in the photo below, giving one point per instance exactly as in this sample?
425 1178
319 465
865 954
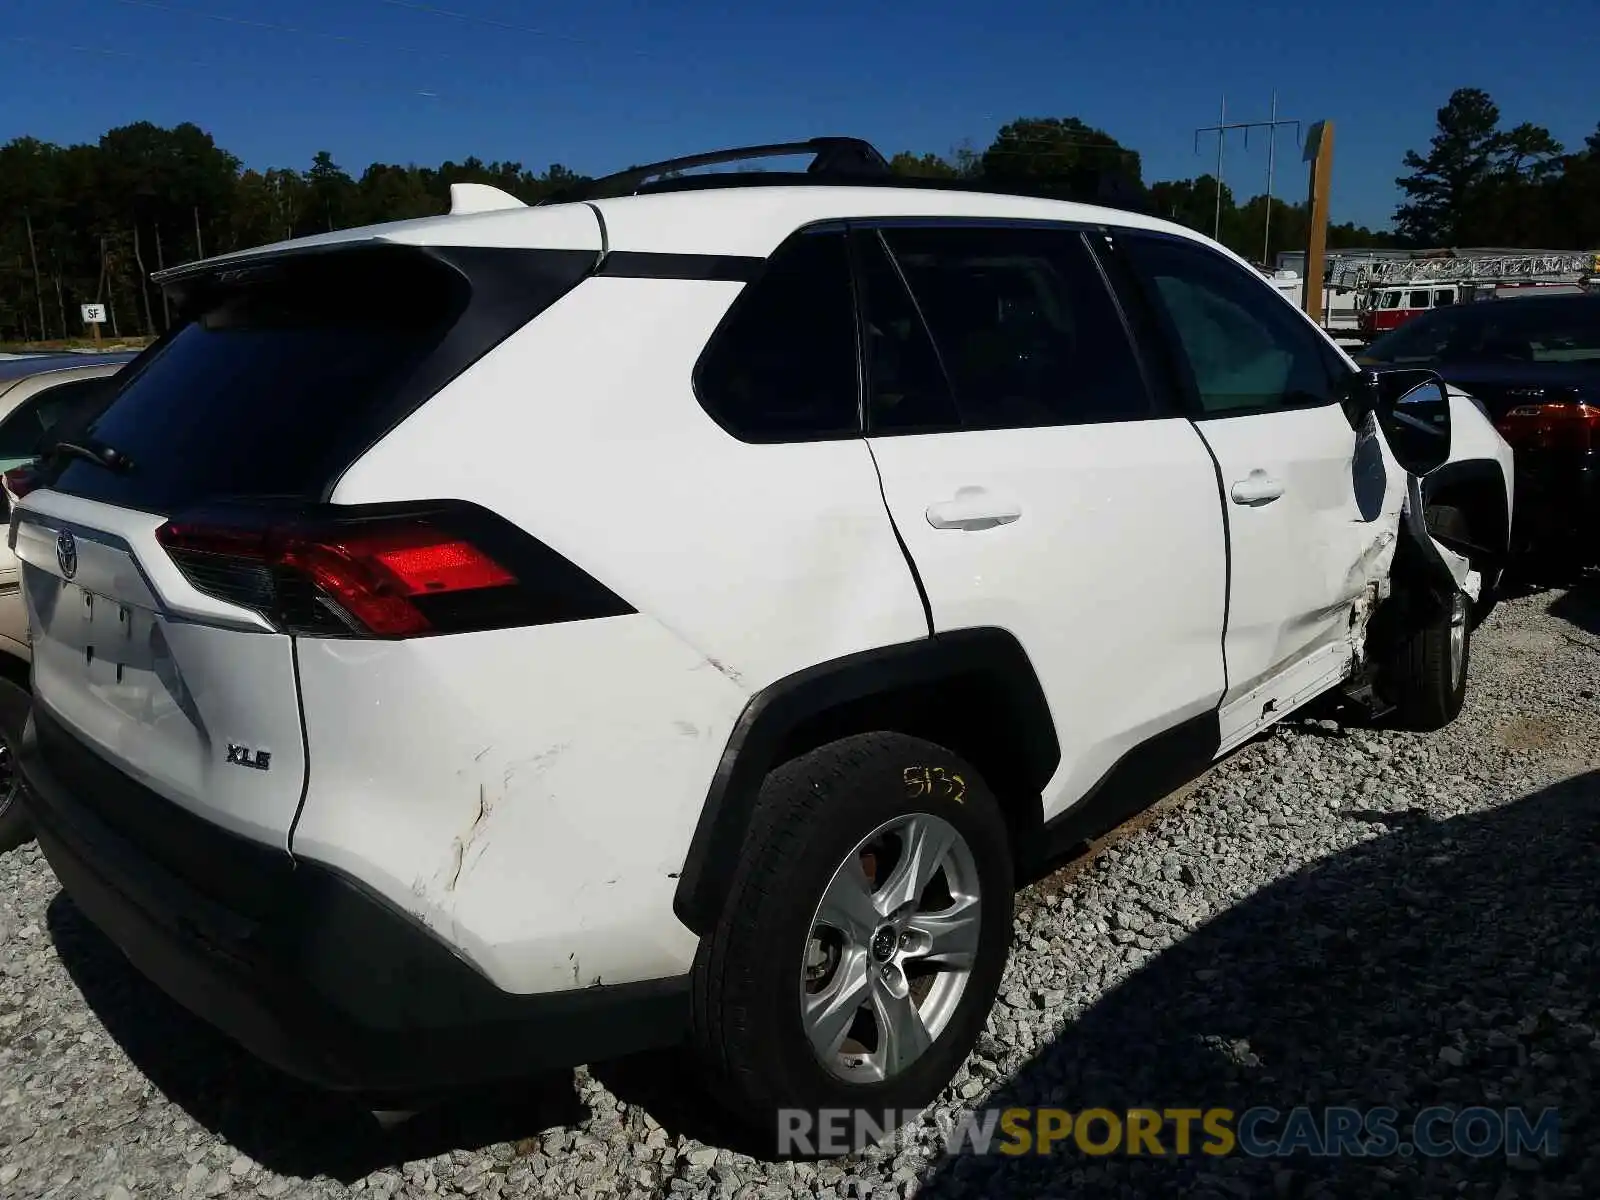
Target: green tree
329 198
1478 183
1060 156
922 166
1443 187
1571 195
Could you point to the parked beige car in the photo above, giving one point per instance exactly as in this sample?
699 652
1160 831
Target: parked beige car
35 394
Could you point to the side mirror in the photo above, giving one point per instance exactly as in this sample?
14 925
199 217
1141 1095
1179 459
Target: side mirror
1413 410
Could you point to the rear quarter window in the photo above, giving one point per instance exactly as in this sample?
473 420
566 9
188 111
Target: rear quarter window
782 367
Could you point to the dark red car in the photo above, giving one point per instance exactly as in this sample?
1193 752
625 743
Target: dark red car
1534 364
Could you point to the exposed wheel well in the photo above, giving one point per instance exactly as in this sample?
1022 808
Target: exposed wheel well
973 715
1482 505
1481 501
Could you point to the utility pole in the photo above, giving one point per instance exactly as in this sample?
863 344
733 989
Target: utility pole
38 292
161 265
1319 153
1221 129
1272 145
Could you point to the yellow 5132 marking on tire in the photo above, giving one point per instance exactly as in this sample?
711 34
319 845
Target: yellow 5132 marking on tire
935 781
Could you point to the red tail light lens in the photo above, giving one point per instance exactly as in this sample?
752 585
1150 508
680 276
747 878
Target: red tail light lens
1558 425
389 577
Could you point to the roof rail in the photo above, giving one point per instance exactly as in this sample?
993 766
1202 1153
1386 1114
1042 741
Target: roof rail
841 158
840 161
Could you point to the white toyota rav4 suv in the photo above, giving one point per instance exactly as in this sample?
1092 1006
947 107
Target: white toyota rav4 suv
685 612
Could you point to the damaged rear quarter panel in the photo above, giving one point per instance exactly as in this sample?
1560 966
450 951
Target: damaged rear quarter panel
527 794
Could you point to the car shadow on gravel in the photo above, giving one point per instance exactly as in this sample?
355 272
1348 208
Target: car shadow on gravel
286 1126
1449 962
1580 605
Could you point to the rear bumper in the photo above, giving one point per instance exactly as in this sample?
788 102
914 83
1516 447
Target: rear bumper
1558 502
304 967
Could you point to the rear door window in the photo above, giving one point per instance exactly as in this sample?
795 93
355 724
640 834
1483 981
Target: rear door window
1025 325
907 390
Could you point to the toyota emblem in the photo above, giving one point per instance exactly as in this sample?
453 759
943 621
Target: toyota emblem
67 553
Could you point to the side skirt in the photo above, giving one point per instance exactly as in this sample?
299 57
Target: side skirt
1151 770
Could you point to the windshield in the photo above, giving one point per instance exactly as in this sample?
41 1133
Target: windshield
1523 330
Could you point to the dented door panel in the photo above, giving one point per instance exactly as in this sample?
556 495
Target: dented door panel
1302 562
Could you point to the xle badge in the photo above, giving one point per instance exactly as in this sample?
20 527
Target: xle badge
243 756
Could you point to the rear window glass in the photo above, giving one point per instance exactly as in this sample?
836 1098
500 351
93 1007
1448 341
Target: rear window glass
274 382
47 414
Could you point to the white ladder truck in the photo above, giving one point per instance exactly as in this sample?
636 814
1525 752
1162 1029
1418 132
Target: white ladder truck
1391 291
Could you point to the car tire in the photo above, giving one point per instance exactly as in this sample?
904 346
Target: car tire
804 999
15 828
1428 677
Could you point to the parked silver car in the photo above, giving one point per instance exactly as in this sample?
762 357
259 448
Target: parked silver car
36 393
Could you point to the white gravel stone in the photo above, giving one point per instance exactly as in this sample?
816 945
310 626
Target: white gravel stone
1333 915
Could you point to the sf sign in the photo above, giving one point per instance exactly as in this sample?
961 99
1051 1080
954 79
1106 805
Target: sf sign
93 314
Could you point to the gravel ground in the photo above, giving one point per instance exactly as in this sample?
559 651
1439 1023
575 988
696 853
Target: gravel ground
1333 916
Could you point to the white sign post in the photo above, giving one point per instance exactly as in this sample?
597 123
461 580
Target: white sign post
94 316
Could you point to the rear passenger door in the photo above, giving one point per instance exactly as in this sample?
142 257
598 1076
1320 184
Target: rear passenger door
1034 482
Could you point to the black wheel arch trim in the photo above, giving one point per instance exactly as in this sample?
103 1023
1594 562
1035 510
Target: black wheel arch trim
1482 473
1485 472
775 711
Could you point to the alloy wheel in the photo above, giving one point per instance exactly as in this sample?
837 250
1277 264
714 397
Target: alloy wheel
891 947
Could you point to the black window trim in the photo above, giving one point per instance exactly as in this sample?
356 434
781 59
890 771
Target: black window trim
1169 384
859 233
1189 388
1163 388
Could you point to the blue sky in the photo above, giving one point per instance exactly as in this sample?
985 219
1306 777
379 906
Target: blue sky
599 84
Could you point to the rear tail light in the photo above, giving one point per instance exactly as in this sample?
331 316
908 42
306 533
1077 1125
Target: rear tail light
446 570
1569 424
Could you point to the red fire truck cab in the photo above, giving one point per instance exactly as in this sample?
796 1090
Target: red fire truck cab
1393 305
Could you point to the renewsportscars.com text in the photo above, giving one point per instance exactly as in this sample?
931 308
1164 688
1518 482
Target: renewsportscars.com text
1437 1131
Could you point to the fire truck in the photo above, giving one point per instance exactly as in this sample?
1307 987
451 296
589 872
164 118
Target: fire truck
1392 291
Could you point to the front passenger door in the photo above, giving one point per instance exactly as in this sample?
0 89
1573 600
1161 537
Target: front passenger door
1312 502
